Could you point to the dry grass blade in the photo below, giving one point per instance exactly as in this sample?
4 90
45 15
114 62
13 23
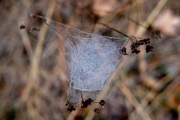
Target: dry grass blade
140 31
36 58
144 102
131 98
166 94
33 82
106 87
27 43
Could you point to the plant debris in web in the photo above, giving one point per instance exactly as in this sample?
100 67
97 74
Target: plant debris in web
89 58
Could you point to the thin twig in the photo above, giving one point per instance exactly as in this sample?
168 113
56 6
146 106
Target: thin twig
114 29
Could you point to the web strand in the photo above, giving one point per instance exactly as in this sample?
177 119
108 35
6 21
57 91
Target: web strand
90 58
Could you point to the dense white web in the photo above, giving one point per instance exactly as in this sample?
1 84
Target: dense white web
89 58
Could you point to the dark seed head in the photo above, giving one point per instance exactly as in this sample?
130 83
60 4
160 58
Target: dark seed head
67 103
149 48
146 40
135 51
102 102
123 51
35 29
90 100
157 34
141 42
22 26
97 110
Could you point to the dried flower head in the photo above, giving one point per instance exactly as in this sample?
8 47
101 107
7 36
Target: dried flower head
146 41
97 110
34 29
102 102
22 26
70 106
123 51
135 51
135 44
149 48
86 103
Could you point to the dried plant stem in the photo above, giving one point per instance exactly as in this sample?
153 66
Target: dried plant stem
106 87
73 114
24 35
131 98
167 92
137 2
33 82
144 102
110 17
26 43
37 54
151 17
140 32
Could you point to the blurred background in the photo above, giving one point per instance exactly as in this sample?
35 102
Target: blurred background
147 87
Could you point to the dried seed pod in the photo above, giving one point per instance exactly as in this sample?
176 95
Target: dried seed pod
137 44
89 101
67 103
35 29
70 106
146 40
141 42
123 51
97 110
156 34
22 27
102 102
133 46
86 103
149 48
135 51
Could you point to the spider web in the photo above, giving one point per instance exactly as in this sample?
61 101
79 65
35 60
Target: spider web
90 58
